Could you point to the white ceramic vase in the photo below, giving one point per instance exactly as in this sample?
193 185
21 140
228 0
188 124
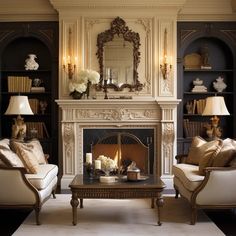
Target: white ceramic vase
31 64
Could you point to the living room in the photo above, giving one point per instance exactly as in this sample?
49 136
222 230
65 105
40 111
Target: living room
149 100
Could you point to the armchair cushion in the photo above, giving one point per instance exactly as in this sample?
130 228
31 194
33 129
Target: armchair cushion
26 155
7 156
227 153
208 152
188 175
193 155
46 173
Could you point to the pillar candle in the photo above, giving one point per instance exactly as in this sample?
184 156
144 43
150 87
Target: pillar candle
89 158
98 164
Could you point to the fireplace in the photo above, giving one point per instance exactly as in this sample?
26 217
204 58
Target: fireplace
122 145
146 119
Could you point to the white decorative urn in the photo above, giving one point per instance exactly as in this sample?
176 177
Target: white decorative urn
31 64
219 85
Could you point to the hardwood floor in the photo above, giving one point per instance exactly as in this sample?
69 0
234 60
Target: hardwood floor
10 220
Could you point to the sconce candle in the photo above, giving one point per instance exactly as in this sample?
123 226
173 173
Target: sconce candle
165 67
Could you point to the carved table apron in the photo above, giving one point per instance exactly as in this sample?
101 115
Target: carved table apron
88 188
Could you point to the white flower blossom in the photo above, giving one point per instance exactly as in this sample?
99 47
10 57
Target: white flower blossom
107 163
80 83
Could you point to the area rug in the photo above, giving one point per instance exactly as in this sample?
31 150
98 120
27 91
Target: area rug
103 217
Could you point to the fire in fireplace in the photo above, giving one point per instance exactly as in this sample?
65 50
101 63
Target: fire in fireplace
123 146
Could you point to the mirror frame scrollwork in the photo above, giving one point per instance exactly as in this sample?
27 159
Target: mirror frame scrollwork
118 27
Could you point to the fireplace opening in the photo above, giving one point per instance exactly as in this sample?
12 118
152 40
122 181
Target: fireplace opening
123 146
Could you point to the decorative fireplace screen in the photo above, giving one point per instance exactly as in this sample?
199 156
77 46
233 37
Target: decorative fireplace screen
124 148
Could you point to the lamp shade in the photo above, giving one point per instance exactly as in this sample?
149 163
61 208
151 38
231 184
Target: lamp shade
19 105
215 106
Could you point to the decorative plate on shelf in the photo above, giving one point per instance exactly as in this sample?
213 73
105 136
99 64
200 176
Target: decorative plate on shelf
192 61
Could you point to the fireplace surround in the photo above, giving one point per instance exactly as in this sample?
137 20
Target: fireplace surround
80 115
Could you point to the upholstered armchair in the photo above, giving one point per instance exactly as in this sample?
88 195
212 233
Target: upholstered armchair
25 184
206 176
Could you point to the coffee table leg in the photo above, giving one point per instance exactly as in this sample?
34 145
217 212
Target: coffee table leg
160 203
74 203
81 203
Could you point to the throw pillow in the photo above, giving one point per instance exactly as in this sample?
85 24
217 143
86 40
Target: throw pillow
207 153
193 155
24 151
227 153
7 156
37 150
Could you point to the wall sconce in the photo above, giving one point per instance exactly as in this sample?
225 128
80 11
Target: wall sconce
165 67
69 66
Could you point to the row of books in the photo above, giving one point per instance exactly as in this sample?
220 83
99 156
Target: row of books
194 128
34 105
22 84
39 129
196 106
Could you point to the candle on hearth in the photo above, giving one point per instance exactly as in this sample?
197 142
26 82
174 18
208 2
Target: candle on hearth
89 158
98 164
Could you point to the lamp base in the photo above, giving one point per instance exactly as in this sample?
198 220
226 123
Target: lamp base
213 130
19 128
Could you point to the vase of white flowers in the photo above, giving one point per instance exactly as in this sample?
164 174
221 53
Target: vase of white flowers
107 164
81 84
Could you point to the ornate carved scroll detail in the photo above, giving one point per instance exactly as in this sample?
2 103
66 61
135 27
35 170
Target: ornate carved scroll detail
167 145
90 23
118 27
116 114
146 24
68 141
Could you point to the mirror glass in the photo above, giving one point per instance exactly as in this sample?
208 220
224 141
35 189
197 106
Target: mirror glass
118 56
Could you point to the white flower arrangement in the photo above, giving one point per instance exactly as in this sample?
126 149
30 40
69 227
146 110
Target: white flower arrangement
79 85
107 164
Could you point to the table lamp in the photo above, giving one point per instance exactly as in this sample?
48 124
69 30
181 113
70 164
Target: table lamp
215 106
19 105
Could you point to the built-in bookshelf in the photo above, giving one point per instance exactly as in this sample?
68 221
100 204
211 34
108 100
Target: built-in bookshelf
196 80
40 85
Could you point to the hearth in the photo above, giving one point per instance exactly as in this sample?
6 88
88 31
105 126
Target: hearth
123 146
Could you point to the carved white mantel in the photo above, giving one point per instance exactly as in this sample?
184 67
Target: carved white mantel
80 114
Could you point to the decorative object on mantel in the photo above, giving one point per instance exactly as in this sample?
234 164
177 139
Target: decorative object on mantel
31 64
165 66
81 84
198 86
219 85
133 172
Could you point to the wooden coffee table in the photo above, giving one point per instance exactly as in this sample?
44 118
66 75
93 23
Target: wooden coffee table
83 188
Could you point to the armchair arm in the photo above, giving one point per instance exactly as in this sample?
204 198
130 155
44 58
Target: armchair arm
218 187
15 189
181 158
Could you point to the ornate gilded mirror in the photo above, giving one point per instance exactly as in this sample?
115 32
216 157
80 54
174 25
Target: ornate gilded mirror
118 56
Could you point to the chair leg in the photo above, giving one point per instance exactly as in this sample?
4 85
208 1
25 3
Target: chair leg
54 193
37 211
176 193
193 215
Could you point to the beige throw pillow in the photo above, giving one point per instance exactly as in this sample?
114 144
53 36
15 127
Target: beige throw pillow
37 150
24 151
193 155
207 153
7 156
227 153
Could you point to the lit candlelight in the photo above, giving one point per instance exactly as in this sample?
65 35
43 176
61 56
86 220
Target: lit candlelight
165 46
